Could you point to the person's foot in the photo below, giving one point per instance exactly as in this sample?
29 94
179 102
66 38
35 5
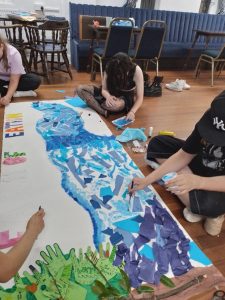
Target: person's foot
190 217
25 94
213 226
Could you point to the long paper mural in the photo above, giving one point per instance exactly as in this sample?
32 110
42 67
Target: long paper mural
101 242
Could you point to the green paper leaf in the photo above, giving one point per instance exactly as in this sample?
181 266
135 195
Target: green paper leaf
145 289
126 281
98 288
167 281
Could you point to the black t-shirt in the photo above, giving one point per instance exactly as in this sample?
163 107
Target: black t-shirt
210 159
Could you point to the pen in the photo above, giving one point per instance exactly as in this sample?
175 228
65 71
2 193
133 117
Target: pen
39 207
132 185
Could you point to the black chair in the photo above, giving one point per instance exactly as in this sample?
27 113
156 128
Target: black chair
49 39
118 40
214 57
14 35
149 45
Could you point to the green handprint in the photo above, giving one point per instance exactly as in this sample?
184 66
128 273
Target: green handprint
58 265
95 266
41 284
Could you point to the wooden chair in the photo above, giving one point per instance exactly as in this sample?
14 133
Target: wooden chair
49 39
149 45
13 34
214 57
118 40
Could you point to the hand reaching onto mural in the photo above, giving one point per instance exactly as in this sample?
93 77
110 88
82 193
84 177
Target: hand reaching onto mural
184 183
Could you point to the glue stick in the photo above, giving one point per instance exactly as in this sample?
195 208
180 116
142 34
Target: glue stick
150 131
164 132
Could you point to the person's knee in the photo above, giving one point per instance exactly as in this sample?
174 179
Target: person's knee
34 81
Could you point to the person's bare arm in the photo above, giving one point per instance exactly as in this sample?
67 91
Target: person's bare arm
11 261
175 163
139 81
13 84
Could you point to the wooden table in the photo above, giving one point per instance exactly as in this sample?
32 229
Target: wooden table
208 35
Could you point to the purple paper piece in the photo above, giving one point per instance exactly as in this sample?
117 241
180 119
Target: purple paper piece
105 205
72 168
137 205
132 270
120 254
147 270
101 161
140 241
161 258
116 156
118 184
147 228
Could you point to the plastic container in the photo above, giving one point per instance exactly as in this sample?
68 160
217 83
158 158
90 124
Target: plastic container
169 176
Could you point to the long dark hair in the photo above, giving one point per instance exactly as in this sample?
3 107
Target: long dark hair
4 56
118 73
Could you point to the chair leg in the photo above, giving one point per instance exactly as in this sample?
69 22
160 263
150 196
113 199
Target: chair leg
212 73
92 70
101 71
157 67
197 69
44 65
66 61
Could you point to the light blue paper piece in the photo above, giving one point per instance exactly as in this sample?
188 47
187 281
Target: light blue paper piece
76 102
196 254
60 91
147 252
106 191
130 134
128 225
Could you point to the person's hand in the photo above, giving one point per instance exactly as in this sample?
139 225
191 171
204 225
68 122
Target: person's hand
130 115
36 223
110 101
5 100
183 183
138 184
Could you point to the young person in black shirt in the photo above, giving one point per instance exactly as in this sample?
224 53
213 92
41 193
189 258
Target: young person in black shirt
122 88
200 165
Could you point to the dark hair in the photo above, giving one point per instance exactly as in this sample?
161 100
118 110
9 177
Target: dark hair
118 73
4 56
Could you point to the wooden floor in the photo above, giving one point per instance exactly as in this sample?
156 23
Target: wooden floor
174 111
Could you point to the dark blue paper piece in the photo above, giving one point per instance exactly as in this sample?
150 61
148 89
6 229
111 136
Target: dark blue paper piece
95 198
116 238
95 204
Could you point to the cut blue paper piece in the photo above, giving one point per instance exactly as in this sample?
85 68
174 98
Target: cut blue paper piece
76 102
136 204
116 238
95 204
121 122
127 237
147 251
147 270
196 254
128 225
130 134
72 168
106 191
100 202
118 184
60 91
101 161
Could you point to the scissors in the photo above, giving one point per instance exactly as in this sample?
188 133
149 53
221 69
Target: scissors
219 295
